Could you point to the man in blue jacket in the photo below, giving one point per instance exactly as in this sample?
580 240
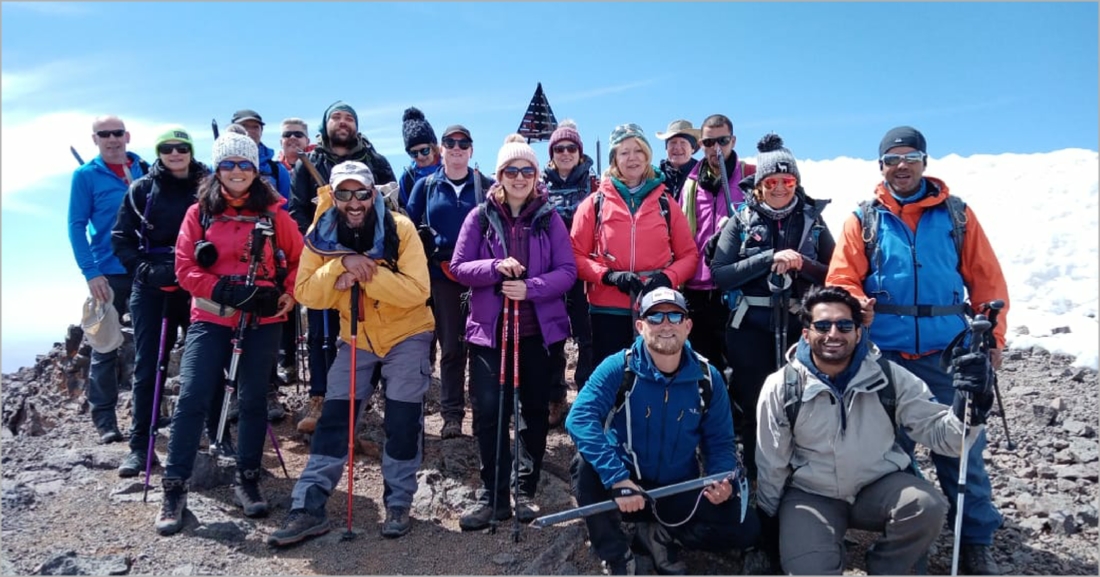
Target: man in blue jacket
98 188
651 440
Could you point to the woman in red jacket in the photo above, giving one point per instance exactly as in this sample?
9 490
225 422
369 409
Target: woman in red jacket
627 241
237 254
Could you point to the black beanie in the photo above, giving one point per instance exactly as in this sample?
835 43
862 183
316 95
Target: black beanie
902 136
415 129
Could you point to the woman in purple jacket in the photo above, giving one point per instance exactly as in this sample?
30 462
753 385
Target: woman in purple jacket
514 246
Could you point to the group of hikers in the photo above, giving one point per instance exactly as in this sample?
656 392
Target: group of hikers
720 327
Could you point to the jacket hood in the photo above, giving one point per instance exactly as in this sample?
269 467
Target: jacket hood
641 362
937 193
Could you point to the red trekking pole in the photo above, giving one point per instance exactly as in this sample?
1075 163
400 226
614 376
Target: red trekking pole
500 409
348 535
515 416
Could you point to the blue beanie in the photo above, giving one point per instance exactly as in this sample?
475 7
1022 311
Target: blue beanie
340 105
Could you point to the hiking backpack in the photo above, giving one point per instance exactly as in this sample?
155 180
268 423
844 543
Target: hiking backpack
869 217
630 378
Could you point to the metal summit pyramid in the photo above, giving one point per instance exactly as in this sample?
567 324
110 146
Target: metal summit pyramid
539 122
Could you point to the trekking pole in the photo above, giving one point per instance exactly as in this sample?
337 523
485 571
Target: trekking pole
352 413
214 126
500 410
278 453
778 284
515 417
161 369
725 179
978 327
299 349
993 309
76 155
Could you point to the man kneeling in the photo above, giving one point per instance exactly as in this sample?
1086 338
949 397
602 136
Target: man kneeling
826 448
650 440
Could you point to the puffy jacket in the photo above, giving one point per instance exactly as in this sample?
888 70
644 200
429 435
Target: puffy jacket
844 442
705 207
666 422
394 303
551 270
409 178
302 206
435 202
268 167
920 230
233 239
94 198
567 193
675 176
631 237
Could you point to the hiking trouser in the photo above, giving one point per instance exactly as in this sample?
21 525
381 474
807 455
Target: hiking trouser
980 516
450 328
147 304
710 528
101 388
708 325
206 356
905 509
610 334
534 406
580 328
406 372
320 358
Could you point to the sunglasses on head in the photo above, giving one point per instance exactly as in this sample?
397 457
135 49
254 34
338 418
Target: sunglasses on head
560 148
167 148
843 325
107 133
420 152
360 194
674 317
462 143
721 140
909 158
772 182
514 171
228 165
294 134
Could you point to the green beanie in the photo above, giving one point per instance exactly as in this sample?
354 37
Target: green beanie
175 133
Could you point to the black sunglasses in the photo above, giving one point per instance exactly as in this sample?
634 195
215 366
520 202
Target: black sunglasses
514 171
909 158
294 134
674 317
570 148
167 148
462 143
228 165
843 325
115 133
361 194
420 152
721 140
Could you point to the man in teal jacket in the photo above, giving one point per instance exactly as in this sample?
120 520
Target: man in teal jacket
97 191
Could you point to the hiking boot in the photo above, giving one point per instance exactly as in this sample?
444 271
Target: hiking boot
978 560
661 546
275 410
109 434
482 515
309 423
452 429
172 507
558 410
134 463
397 522
526 509
299 525
756 562
289 374
624 566
247 494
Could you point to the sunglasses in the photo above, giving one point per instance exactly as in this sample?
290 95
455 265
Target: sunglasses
772 182
360 194
674 317
909 158
514 171
570 148
167 148
420 152
721 140
294 134
843 325
228 165
108 133
462 143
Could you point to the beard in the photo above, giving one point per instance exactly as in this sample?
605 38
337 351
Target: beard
665 346
347 142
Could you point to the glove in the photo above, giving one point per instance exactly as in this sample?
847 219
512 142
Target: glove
427 238
972 376
261 300
624 280
658 280
156 275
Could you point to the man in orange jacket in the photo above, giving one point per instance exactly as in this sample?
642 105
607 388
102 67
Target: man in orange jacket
912 288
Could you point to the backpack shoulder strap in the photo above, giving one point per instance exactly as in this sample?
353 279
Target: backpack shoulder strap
869 222
956 207
274 165
665 212
706 385
792 394
144 167
626 385
887 395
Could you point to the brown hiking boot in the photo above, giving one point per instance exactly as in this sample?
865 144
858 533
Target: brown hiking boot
308 424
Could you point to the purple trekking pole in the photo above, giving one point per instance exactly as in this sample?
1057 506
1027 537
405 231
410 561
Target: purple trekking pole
161 370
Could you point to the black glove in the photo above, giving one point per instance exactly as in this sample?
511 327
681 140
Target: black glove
658 280
973 376
627 282
261 300
156 275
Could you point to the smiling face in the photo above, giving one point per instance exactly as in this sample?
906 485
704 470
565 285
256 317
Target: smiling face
236 181
678 149
632 161
715 133
354 211
292 144
174 160
517 187
454 157
777 190
903 177
112 144
665 338
341 128
566 156
831 350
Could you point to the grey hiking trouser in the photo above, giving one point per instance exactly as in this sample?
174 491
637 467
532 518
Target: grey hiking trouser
908 510
406 372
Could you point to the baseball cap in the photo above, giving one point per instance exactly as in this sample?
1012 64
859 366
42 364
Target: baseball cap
458 128
662 295
352 170
246 114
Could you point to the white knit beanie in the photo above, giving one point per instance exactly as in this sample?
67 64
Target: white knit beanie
236 142
515 148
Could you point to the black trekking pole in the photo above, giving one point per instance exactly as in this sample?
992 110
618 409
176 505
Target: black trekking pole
301 354
515 417
779 284
978 328
161 370
993 309
352 413
214 127
500 411
76 155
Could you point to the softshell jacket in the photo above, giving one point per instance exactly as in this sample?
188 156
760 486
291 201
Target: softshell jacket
705 208
233 239
919 266
94 199
842 443
393 304
302 206
630 239
667 423
551 271
281 181
567 193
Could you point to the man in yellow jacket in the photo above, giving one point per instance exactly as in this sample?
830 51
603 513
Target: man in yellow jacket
357 240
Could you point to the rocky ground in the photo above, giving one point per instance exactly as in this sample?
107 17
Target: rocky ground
65 511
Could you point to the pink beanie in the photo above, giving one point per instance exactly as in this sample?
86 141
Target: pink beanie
515 148
567 130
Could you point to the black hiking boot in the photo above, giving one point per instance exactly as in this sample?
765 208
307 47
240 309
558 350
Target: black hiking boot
624 566
978 560
173 506
482 515
397 522
300 525
134 464
246 493
526 509
662 547
109 434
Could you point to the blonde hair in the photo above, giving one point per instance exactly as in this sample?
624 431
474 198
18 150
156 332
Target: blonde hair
613 166
506 156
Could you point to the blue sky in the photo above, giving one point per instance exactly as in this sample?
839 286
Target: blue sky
831 78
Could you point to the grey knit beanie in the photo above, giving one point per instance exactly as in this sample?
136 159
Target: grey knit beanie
774 159
235 142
